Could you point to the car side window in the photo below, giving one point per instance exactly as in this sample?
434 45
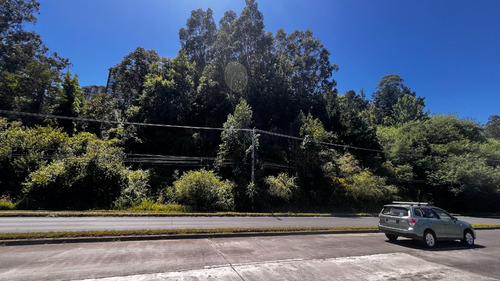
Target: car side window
442 214
418 212
428 213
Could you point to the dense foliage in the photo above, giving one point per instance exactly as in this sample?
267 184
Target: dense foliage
276 132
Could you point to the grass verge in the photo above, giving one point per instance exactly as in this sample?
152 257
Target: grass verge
161 232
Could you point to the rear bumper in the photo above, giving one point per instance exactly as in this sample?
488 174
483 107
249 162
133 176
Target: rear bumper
408 233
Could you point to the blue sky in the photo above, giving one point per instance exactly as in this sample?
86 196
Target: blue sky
448 51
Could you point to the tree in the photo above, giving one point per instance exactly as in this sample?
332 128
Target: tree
168 90
492 128
389 90
29 75
409 108
198 36
312 159
18 46
303 72
167 99
351 126
236 145
130 76
446 159
69 102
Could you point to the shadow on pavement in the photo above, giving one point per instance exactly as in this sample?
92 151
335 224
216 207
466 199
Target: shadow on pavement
440 245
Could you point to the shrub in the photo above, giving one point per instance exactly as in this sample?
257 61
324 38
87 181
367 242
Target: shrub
204 191
369 190
282 187
135 192
6 203
91 176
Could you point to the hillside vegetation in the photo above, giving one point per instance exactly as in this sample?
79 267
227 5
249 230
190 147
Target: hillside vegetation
240 120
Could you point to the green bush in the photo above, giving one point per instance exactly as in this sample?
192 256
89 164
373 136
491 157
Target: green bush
91 176
282 187
6 203
204 191
369 190
135 192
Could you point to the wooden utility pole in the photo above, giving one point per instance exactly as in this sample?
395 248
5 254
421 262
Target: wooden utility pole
252 179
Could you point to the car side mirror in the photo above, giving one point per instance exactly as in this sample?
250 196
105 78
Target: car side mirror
455 219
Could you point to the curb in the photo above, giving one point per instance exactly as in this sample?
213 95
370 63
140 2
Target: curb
25 242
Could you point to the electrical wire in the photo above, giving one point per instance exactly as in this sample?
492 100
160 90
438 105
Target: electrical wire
305 140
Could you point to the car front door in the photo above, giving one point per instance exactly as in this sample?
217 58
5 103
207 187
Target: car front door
453 229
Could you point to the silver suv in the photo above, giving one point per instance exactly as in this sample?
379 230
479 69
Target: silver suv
422 222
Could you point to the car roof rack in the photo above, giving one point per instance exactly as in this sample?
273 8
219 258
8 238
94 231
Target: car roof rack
410 203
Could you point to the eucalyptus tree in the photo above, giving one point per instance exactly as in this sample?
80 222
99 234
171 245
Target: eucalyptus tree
198 36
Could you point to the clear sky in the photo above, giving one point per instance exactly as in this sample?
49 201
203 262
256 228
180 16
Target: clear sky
448 51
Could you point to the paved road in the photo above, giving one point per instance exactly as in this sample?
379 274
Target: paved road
47 224
304 257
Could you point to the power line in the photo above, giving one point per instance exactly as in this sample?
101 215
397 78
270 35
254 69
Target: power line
40 115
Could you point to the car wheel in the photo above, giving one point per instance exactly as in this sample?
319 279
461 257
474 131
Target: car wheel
391 237
429 239
468 238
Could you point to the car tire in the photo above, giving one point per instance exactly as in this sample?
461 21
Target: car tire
391 237
468 239
429 239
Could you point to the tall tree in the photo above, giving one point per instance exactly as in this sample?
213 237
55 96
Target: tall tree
236 149
29 75
389 90
353 129
492 128
198 36
168 91
236 144
130 76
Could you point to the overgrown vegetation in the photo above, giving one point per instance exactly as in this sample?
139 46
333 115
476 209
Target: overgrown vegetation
347 153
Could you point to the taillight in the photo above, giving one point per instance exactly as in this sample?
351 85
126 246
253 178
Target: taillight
412 221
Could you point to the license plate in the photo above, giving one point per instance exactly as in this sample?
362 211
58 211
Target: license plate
392 221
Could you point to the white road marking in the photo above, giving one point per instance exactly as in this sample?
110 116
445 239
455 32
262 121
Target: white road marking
394 266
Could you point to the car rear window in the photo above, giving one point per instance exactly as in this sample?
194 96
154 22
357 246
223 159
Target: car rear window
395 211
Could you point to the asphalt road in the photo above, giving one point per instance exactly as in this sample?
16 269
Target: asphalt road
47 224
302 257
